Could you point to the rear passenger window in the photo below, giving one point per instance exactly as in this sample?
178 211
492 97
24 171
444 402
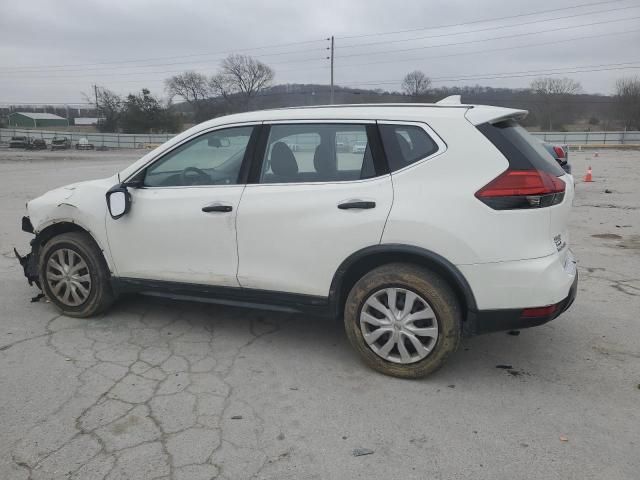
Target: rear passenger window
299 153
406 144
521 149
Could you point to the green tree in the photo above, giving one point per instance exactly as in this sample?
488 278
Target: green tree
143 113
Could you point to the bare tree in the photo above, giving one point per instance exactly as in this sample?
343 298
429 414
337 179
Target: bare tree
555 86
416 83
241 75
554 99
628 101
194 88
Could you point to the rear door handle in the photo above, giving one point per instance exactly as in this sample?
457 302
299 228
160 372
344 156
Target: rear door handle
217 207
357 204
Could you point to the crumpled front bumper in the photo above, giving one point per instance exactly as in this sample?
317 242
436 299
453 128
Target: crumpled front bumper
29 261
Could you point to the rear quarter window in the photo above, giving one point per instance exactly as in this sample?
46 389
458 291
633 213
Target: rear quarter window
519 147
406 144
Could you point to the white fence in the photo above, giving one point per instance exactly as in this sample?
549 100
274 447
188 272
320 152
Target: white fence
110 140
123 140
586 138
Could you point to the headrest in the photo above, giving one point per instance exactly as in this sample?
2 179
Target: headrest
283 161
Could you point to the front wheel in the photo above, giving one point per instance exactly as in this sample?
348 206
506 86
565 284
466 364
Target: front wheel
403 320
74 275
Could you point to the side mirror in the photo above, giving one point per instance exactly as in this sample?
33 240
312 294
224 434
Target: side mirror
118 201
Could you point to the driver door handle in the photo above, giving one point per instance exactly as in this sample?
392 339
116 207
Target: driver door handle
217 207
357 204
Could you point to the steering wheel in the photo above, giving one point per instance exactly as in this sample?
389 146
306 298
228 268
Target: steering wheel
200 177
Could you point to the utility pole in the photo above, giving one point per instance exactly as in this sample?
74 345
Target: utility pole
95 91
331 69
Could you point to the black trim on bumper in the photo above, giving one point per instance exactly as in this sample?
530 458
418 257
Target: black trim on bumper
487 321
26 225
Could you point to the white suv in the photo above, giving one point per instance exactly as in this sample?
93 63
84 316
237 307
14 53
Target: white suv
451 221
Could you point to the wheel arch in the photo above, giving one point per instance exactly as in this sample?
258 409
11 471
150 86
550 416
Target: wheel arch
365 260
66 226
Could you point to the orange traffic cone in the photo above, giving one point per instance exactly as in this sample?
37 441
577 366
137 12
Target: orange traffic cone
589 176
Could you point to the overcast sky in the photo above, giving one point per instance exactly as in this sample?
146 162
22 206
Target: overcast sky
53 51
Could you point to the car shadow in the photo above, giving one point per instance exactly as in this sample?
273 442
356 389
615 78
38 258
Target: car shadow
318 339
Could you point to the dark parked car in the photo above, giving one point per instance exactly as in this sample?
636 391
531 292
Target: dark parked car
560 153
60 143
37 144
18 142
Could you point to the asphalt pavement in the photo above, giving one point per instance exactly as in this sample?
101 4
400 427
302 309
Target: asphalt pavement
159 389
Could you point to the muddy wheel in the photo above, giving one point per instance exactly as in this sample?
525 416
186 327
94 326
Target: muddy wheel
74 275
403 320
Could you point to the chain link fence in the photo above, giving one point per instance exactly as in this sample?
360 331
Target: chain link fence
109 140
590 138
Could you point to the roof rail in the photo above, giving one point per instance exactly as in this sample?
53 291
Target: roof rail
373 105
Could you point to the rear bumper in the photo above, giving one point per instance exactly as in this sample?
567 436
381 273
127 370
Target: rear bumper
521 283
487 321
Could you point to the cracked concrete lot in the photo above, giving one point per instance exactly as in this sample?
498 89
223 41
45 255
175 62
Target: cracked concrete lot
157 389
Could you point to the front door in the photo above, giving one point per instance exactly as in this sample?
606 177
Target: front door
322 193
181 226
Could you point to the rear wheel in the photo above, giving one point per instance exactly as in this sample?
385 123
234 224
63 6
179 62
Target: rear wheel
403 320
74 275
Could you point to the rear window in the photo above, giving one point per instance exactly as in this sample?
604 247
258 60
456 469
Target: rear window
406 144
520 148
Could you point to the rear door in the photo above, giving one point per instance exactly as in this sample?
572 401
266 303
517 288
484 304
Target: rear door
313 200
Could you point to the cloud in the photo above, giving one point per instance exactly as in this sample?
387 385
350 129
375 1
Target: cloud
54 51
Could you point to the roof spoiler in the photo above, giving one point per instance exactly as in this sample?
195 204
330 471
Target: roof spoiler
450 100
486 114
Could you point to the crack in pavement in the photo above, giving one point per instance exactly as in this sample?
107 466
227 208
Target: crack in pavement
151 397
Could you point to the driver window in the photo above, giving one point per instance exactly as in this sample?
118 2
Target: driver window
214 158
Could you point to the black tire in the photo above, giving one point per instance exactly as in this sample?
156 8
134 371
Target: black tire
100 295
431 288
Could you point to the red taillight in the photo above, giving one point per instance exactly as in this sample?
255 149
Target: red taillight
559 151
538 311
514 189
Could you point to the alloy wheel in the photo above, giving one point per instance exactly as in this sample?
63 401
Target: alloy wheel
68 277
399 325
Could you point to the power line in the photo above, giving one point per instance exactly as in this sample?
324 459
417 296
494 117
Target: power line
553 42
539 12
504 76
486 50
39 67
128 61
54 72
485 75
208 62
531 22
467 42
144 72
21 71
